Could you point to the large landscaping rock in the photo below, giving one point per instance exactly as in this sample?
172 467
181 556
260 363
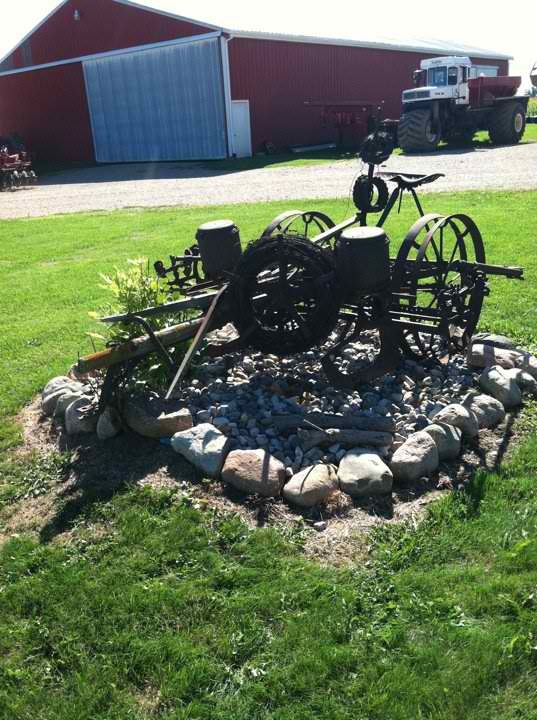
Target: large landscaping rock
496 382
58 383
254 472
526 382
416 458
65 400
459 416
484 356
447 439
109 424
362 473
50 401
488 411
55 390
80 417
204 446
147 419
311 486
499 341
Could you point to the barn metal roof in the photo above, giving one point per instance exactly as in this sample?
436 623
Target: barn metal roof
270 30
267 32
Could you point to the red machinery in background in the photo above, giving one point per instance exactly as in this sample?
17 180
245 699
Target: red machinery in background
16 168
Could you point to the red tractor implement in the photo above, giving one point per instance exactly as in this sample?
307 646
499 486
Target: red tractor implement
16 169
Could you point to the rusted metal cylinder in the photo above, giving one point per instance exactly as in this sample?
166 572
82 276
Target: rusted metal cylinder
220 247
363 260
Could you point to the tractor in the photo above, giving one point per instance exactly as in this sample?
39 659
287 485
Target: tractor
453 99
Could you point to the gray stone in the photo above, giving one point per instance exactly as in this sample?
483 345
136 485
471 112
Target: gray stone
80 417
254 472
58 383
362 473
138 417
488 411
109 424
447 439
65 400
484 356
203 416
526 382
416 458
204 446
311 486
320 525
500 341
50 401
458 416
496 382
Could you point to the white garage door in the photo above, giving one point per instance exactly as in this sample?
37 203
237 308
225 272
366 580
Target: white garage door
166 103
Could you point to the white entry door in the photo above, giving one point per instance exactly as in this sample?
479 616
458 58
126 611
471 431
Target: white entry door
240 128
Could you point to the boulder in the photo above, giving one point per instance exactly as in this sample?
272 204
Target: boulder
147 419
254 472
50 401
526 382
204 446
109 424
416 458
363 473
495 381
80 417
58 383
65 400
488 411
311 486
459 416
499 341
447 439
484 356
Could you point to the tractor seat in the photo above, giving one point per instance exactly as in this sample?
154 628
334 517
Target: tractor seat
408 181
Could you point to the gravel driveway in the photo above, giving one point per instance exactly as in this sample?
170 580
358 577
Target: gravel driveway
113 187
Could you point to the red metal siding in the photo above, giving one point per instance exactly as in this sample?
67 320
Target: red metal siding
104 25
48 108
279 77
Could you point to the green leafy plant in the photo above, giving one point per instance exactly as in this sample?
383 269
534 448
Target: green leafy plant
133 289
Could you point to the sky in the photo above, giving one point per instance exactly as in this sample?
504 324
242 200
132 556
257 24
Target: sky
469 22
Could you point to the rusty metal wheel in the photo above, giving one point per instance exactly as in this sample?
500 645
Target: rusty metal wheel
431 289
298 222
284 295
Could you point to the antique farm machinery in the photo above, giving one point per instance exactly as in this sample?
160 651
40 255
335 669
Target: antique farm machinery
308 283
15 165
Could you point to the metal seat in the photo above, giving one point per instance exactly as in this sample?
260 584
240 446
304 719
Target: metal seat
408 181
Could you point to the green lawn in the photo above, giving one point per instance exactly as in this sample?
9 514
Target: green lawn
153 608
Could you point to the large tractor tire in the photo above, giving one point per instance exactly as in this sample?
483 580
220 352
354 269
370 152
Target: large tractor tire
415 133
507 124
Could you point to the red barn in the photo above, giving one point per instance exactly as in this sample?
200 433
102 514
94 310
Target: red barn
115 81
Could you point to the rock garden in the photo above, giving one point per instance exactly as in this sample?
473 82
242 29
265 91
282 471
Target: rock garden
274 429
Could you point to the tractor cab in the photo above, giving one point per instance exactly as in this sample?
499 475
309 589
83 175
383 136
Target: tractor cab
443 78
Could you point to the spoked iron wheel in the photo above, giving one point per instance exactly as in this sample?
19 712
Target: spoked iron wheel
302 224
284 299
431 287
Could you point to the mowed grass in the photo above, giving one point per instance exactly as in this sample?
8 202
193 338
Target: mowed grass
154 608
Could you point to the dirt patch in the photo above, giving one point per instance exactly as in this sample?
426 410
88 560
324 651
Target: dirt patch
100 470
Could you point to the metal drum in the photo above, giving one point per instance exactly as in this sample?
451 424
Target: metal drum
220 247
363 260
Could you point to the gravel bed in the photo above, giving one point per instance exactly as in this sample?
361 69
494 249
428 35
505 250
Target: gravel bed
169 184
